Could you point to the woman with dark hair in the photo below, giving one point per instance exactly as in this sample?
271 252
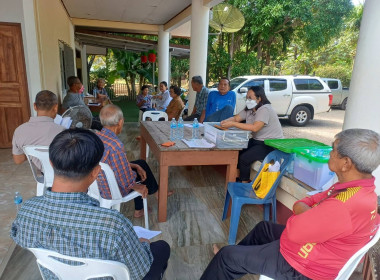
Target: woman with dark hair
262 120
175 106
144 99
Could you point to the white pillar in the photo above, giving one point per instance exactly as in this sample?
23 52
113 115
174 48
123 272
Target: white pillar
163 55
83 56
363 103
198 45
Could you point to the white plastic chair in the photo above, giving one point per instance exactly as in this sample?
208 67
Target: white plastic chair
88 269
353 262
42 154
117 198
154 116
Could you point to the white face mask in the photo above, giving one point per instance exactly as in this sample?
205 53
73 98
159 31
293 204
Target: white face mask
250 103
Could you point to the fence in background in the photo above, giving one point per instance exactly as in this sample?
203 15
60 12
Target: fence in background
115 91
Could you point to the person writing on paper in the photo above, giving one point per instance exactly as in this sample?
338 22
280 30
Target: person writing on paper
325 230
262 120
39 130
144 99
99 92
176 105
68 221
163 98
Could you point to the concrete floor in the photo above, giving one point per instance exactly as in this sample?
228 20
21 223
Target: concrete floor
194 210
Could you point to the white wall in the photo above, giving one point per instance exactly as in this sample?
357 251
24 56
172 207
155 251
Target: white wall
53 25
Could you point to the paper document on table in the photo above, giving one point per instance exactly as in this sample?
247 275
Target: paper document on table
191 125
145 233
198 143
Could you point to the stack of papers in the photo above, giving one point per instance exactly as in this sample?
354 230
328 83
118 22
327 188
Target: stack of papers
191 125
198 143
145 233
66 121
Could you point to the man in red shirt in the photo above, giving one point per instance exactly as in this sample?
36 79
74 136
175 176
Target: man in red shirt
325 229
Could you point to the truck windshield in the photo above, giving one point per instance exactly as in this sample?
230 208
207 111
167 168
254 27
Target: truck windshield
236 82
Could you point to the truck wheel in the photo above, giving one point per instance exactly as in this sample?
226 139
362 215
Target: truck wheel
344 104
300 116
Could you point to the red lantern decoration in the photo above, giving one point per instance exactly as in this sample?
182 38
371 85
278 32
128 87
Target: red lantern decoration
152 56
144 57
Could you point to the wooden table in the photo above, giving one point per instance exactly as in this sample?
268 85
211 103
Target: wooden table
156 133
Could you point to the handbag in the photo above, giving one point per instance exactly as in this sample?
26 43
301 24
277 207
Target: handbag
264 181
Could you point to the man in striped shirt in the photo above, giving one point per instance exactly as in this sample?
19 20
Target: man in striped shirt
126 173
66 220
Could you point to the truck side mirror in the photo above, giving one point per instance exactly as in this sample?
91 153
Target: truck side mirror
243 90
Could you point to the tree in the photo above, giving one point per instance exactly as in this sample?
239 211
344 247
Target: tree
271 28
128 66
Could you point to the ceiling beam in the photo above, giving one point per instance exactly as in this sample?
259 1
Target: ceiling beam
178 20
116 25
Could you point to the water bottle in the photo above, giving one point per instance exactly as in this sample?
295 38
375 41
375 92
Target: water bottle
195 129
173 129
17 199
180 128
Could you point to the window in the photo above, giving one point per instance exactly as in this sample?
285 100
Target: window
308 84
257 82
277 84
332 84
235 82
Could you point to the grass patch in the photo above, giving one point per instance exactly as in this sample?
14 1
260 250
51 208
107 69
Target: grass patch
130 110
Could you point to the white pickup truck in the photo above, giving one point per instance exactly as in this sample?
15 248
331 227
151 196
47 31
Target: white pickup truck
340 94
297 97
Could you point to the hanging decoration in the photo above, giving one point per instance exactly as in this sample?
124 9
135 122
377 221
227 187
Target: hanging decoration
144 57
152 56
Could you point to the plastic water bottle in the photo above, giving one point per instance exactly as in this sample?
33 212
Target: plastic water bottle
17 200
195 134
180 128
173 130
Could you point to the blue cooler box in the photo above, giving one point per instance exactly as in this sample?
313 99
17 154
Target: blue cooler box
311 166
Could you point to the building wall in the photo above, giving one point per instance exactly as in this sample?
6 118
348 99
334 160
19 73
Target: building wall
22 11
53 25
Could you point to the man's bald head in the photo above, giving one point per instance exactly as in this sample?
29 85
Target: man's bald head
110 115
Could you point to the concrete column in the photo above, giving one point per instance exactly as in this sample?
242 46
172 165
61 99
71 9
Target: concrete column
32 50
363 102
83 55
163 55
198 45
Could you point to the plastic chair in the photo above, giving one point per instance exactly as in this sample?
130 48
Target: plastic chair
117 199
242 193
42 154
86 269
353 262
154 116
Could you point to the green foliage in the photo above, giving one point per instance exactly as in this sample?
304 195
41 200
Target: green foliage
179 70
271 29
335 71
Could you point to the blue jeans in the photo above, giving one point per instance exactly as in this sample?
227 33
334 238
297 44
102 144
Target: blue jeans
226 112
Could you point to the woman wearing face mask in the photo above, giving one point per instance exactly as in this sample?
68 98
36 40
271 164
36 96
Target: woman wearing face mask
262 120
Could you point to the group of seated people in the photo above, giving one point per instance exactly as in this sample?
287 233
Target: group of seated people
324 231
